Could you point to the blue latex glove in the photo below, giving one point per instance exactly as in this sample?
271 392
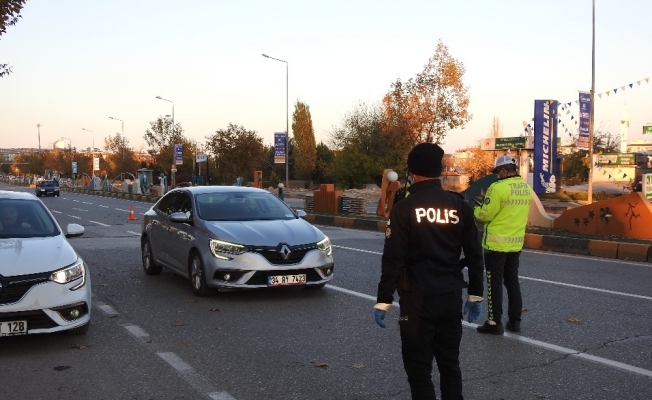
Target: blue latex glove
473 309
379 316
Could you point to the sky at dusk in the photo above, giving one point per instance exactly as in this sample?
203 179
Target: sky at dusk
77 62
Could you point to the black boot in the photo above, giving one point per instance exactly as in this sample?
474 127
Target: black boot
491 329
513 326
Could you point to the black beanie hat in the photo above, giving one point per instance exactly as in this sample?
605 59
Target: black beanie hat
425 160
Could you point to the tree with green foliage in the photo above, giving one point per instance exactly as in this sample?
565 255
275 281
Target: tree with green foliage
323 164
304 137
9 15
426 107
575 166
238 152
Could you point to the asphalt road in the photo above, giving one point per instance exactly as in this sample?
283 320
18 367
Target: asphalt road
587 331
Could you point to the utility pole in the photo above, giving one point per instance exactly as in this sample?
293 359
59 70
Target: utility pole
38 126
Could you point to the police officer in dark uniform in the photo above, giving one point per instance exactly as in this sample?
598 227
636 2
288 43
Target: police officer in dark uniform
426 234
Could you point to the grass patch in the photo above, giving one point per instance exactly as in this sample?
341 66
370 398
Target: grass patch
578 196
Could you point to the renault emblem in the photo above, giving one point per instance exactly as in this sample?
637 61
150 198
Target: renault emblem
285 251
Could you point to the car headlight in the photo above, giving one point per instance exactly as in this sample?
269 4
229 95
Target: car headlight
42 190
325 246
219 248
69 274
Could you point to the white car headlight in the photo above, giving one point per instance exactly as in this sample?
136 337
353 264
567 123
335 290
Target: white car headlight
69 274
325 246
219 247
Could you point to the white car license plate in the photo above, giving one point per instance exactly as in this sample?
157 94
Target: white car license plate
284 280
11 328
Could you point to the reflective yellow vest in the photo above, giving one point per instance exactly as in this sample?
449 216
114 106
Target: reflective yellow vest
504 213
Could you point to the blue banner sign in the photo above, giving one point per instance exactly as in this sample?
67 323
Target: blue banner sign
178 154
279 148
545 146
585 120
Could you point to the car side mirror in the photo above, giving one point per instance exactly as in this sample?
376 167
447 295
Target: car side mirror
74 230
300 213
180 217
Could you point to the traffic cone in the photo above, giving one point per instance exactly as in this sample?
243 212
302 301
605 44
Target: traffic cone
132 215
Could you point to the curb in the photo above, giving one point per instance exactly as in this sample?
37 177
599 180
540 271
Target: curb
118 195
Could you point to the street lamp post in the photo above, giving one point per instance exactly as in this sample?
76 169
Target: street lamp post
93 136
172 182
590 186
287 123
123 139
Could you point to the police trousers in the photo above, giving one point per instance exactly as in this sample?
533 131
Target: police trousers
502 268
431 326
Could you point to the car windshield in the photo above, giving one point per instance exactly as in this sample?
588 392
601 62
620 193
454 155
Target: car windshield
47 183
25 219
242 206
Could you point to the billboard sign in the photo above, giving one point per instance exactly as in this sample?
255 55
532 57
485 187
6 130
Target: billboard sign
545 146
201 158
178 154
96 163
510 143
74 167
647 129
646 183
279 148
617 159
585 120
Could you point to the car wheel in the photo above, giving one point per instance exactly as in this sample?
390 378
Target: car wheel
149 266
80 330
38 195
198 277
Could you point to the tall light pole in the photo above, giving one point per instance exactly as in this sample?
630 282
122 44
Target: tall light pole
93 136
172 144
38 126
123 139
590 186
287 124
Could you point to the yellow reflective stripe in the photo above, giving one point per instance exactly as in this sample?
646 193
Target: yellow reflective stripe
505 239
515 202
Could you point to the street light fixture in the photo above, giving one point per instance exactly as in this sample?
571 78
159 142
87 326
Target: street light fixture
93 136
172 182
287 123
123 138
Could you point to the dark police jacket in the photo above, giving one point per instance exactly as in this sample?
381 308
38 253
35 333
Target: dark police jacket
425 236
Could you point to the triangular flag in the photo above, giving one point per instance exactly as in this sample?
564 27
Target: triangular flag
567 112
569 103
624 175
575 122
609 176
577 101
638 83
608 161
647 80
604 172
600 95
607 92
615 91
631 85
623 88
620 170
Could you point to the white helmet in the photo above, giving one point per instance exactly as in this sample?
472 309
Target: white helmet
505 159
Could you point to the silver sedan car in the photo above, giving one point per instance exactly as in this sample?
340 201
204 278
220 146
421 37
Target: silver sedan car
231 237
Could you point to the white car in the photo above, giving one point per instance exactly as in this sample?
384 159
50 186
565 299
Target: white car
44 285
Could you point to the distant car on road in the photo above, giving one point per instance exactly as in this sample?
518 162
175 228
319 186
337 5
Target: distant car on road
47 188
231 237
44 285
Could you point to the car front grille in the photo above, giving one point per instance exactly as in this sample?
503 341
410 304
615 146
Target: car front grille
35 319
260 277
275 256
14 287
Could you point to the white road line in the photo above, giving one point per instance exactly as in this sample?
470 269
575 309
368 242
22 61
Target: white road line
85 202
73 216
56 212
587 288
592 258
120 209
193 378
134 233
99 223
534 342
136 330
100 205
107 309
542 280
79 209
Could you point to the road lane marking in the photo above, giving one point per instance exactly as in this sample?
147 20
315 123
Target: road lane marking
99 223
191 377
120 209
134 233
56 212
136 330
592 258
537 279
85 202
107 309
534 342
587 288
79 209
100 205
73 216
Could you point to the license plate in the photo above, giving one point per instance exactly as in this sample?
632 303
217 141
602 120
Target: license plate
285 280
11 328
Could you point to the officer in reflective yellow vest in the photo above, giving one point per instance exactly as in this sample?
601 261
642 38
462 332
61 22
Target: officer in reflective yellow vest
504 213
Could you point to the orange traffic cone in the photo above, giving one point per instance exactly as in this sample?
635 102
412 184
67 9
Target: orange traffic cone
132 215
